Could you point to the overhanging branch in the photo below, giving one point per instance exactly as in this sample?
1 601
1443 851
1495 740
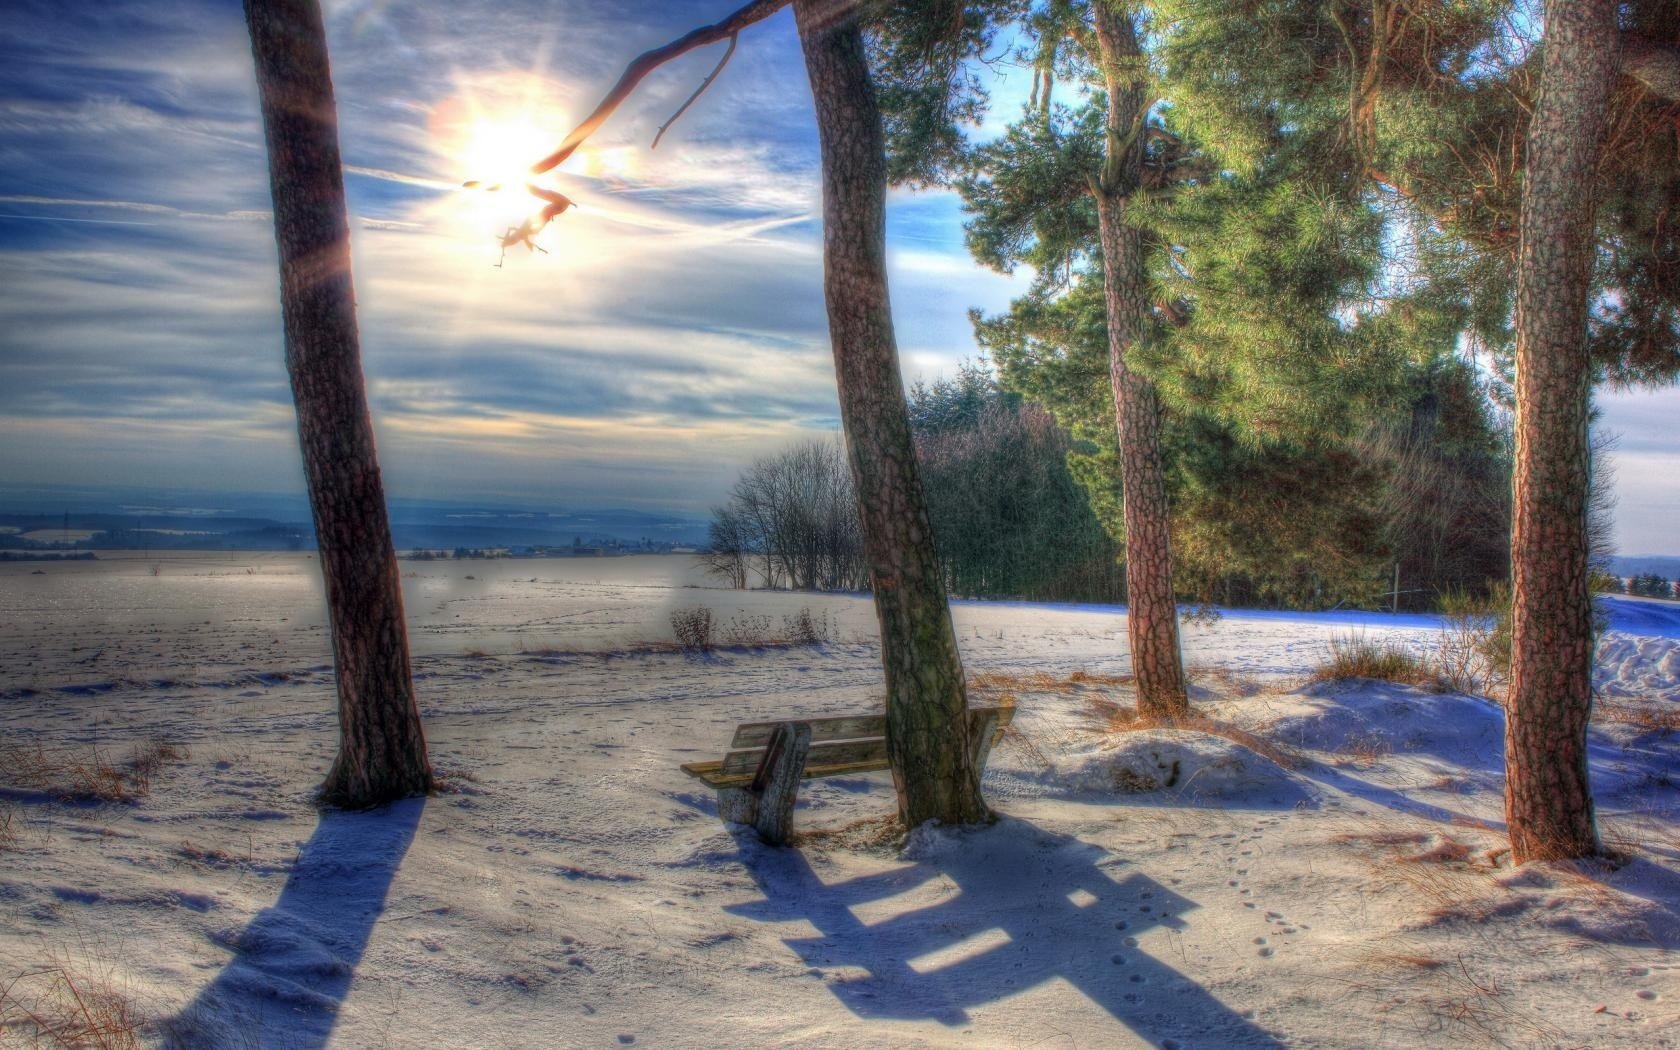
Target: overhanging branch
646 63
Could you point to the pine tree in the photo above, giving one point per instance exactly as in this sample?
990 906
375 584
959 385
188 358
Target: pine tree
1430 105
382 747
927 722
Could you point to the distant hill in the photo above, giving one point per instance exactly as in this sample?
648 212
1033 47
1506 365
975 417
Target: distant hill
84 519
1636 564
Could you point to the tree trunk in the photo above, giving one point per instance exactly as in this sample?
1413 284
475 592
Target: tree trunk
382 749
1548 802
1151 613
927 723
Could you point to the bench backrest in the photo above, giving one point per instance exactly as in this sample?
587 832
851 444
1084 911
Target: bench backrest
849 742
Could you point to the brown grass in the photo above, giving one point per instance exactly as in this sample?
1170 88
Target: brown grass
1114 718
1647 717
1355 656
1236 684
8 826
58 1005
69 775
1458 997
870 835
1363 751
1025 743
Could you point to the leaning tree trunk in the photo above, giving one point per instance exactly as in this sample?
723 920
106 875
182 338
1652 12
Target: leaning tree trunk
927 725
1548 802
1151 614
382 749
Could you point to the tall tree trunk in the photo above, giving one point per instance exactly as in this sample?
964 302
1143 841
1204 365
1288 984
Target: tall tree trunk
1151 613
382 749
927 723
1548 802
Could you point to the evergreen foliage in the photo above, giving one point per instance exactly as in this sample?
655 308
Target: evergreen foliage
1424 109
1009 519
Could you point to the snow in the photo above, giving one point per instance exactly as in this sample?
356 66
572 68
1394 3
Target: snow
575 889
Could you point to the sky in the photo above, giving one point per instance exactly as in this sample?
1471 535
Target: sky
673 331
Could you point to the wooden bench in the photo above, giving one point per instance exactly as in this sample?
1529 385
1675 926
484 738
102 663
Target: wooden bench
757 781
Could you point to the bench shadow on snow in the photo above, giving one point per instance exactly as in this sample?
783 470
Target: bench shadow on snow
1030 907
293 964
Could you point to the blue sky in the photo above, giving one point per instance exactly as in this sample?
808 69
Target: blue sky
674 331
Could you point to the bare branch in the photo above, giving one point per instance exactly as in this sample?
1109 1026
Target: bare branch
646 63
704 84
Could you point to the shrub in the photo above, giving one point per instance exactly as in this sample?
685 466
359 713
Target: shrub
747 630
1474 655
1202 615
694 629
806 628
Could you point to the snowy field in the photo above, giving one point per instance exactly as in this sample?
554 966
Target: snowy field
575 889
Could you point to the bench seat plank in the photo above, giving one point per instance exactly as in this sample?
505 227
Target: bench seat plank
713 775
821 754
844 727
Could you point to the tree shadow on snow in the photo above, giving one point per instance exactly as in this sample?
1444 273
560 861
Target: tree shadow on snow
293 964
1024 907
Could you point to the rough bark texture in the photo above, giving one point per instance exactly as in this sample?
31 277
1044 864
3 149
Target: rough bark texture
927 727
382 749
1548 803
1151 613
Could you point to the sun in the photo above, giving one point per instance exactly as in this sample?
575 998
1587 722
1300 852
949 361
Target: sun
500 151
487 135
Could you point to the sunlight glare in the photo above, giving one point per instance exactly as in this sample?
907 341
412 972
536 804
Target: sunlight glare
490 133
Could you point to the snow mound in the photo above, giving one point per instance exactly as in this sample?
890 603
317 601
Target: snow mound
1635 668
1374 718
1188 764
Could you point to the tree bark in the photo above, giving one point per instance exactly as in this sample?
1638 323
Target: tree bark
927 725
1151 613
382 748
1548 802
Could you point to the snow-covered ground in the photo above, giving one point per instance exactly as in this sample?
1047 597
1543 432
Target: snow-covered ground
575 889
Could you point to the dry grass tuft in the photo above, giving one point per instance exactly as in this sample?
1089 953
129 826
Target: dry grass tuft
1355 656
1459 1002
1114 718
1647 717
1446 850
1408 961
1363 751
870 835
1235 684
71 777
208 856
58 1005
1014 735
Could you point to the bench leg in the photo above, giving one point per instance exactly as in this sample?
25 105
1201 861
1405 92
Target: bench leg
737 805
984 731
774 819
